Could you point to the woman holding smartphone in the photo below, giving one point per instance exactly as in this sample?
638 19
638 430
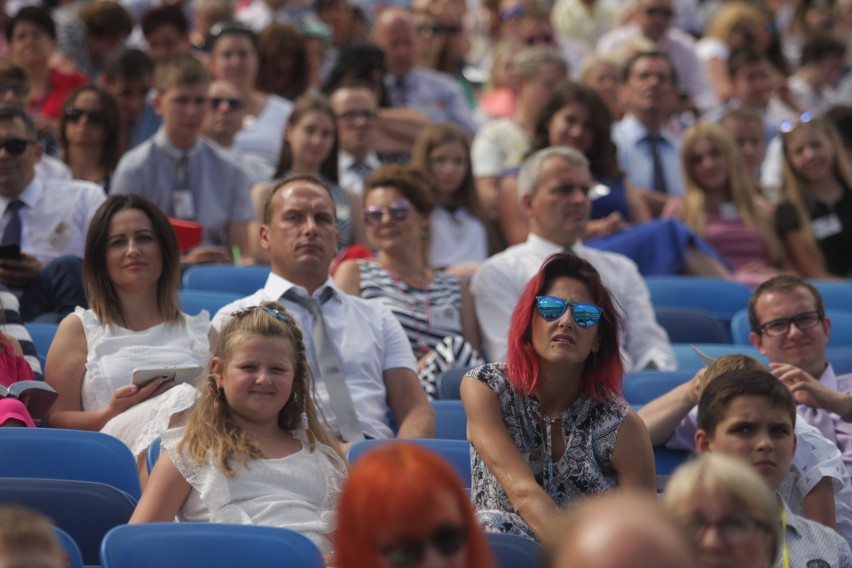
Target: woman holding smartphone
131 276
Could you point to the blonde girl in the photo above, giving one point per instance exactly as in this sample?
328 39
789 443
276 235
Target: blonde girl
254 449
722 205
815 216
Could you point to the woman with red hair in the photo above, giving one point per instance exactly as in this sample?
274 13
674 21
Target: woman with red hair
404 506
549 425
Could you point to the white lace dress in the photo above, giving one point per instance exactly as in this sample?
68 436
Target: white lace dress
297 492
113 354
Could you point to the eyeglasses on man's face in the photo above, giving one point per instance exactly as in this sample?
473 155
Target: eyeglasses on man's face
781 326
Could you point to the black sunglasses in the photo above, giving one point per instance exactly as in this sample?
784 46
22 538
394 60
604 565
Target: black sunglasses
15 146
97 117
447 540
233 104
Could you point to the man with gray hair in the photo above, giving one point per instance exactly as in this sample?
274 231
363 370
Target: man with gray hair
553 185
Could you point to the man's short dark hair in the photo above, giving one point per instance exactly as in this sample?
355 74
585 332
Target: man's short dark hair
162 16
11 112
35 15
742 57
128 65
627 69
821 46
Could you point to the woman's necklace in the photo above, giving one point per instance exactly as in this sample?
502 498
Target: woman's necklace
421 332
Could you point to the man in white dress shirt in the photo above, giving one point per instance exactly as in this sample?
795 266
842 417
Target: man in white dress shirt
299 231
553 186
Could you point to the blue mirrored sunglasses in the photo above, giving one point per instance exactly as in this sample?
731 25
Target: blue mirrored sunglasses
550 308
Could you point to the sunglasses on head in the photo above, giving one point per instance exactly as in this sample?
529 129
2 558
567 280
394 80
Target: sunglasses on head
398 211
550 309
447 540
15 146
788 125
233 104
93 116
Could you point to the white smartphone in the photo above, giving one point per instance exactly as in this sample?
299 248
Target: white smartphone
143 376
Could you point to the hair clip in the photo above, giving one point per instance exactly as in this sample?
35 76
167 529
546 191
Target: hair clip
274 313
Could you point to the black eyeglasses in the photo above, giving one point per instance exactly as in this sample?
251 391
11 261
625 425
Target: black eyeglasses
551 309
398 211
781 326
353 115
665 12
447 540
15 146
97 117
17 89
544 39
233 104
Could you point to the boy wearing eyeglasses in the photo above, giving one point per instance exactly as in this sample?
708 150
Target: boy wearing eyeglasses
750 415
790 328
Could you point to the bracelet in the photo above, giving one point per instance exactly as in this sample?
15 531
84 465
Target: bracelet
847 416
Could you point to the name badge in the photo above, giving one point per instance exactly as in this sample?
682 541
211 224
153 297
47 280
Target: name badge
61 236
827 226
445 316
183 204
728 212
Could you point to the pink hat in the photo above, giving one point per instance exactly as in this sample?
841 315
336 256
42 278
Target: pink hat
14 409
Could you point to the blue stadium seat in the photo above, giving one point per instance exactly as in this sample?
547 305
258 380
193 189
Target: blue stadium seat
721 298
55 453
42 334
841 328
512 551
72 552
688 325
450 420
641 387
84 509
456 452
836 295
207 545
193 301
152 454
449 383
242 280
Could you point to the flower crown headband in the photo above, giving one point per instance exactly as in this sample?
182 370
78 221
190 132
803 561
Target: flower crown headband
271 311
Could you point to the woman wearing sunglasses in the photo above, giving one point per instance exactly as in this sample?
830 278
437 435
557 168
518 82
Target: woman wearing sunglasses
91 134
549 426
404 507
434 307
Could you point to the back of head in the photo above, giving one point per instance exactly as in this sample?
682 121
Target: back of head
400 492
719 393
727 363
27 539
619 530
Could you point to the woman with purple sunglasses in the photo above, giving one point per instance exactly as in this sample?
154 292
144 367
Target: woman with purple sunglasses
434 307
549 426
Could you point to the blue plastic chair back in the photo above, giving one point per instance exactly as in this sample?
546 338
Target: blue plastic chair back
193 301
512 551
456 452
687 360
42 334
450 420
641 387
449 383
687 325
83 509
666 462
836 295
72 552
152 454
841 328
207 545
242 280
721 298
840 359
54 453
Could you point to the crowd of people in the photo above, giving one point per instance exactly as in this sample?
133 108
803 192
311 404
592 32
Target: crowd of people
438 184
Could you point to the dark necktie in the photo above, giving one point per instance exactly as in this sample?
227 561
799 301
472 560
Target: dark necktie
328 366
658 182
183 171
399 94
12 233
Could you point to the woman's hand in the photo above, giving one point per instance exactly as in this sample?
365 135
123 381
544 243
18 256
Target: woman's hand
610 224
132 394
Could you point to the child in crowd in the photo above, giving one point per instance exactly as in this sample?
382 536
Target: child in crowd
462 234
13 368
751 415
254 450
817 485
27 540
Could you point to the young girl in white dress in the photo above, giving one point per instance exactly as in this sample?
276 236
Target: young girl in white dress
254 449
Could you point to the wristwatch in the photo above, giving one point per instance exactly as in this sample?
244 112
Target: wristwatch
847 416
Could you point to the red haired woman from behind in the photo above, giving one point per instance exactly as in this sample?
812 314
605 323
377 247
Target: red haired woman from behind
549 425
404 506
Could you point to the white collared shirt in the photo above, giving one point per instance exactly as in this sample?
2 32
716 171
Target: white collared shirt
349 178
